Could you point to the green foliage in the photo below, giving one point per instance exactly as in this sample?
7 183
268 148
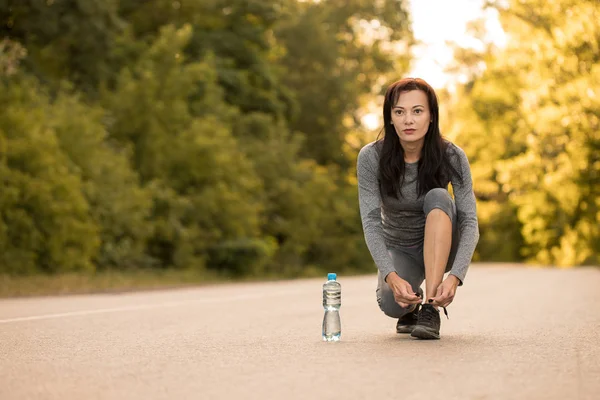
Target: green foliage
118 204
237 32
11 54
309 210
335 55
531 124
171 112
200 135
69 39
242 257
45 222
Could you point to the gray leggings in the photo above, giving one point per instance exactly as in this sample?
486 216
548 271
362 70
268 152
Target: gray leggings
409 262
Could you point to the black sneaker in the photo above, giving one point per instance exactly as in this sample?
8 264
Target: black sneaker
428 324
407 323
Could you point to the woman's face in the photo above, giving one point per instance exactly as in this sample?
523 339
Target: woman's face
411 116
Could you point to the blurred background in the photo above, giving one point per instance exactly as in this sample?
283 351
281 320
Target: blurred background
155 142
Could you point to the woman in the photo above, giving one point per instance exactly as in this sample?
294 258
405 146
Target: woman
413 228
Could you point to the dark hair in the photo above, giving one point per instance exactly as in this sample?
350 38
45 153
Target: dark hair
434 168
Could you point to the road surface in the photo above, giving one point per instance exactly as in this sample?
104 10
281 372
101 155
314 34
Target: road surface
513 333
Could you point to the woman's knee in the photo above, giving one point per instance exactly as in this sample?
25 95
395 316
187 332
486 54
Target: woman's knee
391 308
439 198
387 303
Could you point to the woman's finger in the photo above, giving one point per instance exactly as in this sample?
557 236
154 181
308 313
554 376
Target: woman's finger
412 299
446 302
440 296
450 299
447 299
409 296
436 302
406 301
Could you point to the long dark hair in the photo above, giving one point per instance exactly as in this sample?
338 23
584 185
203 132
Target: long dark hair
434 168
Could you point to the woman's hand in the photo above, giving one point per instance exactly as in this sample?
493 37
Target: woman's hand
403 293
445 292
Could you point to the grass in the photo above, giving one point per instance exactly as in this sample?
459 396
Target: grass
101 282
117 281
127 281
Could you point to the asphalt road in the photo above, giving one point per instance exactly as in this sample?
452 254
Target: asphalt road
513 333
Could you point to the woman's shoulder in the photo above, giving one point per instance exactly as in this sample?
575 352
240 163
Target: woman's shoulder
369 153
453 148
455 153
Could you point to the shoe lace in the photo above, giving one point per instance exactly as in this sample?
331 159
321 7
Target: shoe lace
446 312
417 309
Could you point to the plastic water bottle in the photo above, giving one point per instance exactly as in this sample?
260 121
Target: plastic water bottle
332 300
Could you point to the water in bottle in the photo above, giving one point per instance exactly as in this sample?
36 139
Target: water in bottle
332 300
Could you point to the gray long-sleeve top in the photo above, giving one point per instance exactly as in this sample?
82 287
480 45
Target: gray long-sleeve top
390 222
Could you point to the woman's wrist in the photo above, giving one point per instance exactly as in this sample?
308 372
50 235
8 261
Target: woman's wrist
393 275
454 279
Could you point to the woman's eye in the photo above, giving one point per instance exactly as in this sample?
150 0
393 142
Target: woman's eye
418 111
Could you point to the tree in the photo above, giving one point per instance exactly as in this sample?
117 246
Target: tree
172 113
189 133
237 33
45 223
69 39
119 206
336 55
536 106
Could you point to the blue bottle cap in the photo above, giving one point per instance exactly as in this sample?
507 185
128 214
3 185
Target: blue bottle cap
331 276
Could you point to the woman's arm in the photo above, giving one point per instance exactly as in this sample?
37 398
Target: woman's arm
467 215
369 200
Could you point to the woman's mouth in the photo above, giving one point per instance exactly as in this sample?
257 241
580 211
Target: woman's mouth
409 131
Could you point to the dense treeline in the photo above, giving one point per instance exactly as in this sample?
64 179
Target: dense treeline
187 134
530 121
222 134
